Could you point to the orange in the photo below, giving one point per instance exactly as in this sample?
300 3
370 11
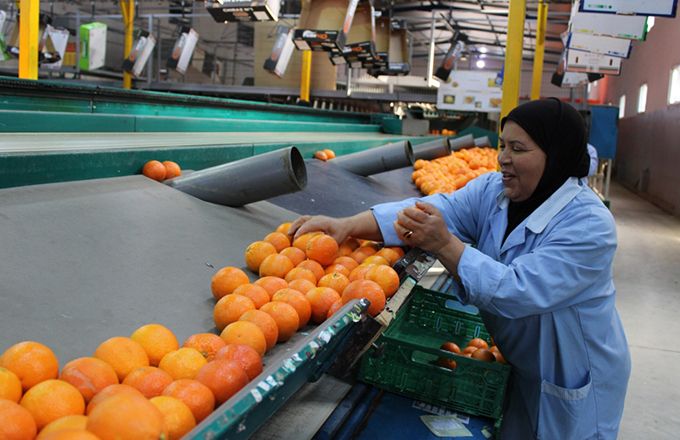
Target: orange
155 170
123 354
150 381
224 378
16 423
177 417
284 227
206 343
183 363
398 250
276 266
286 317
368 247
322 248
245 332
337 268
244 355
337 305
365 289
329 153
256 252
257 294
68 434
226 280
359 256
348 246
302 285
10 385
360 272
321 155
109 391
157 340
265 322
386 277
376 259
348 262
301 241
315 267
171 169
89 375
335 281
389 254
299 302
52 399
279 240
32 362
66 423
296 255
271 284
321 299
230 308
300 273
195 395
126 416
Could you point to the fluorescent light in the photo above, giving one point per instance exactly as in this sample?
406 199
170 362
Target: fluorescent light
480 64
483 49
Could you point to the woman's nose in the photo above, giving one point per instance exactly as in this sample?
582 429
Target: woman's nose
503 157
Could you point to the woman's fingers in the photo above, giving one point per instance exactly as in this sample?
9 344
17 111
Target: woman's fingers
297 224
427 208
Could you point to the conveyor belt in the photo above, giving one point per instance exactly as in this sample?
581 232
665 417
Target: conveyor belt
336 192
85 261
399 180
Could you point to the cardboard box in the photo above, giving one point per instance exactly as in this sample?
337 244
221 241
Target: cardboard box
360 42
140 53
183 50
324 24
399 54
92 46
224 11
281 52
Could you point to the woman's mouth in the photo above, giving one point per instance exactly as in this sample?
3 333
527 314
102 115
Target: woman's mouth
507 177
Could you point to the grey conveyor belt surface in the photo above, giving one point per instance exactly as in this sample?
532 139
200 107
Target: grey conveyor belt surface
399 180
85 261
336 192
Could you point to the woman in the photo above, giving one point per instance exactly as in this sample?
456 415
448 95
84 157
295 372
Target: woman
540 271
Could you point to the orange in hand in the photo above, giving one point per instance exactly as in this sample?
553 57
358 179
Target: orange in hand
322 248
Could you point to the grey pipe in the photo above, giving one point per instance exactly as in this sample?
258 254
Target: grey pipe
467 141
247 180
432 150
483 142
376 160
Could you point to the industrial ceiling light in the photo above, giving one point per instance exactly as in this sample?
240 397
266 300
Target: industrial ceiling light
480 64
483 49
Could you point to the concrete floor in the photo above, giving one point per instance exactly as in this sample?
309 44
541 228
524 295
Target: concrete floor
647 277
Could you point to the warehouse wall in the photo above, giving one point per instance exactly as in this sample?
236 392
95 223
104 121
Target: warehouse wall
648 152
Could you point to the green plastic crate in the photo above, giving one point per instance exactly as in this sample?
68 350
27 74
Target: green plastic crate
404 358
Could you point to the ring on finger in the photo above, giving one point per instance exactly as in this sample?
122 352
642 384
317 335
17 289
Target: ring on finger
408 233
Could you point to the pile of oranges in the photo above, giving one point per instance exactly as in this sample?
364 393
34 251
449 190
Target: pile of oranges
146 385
449 173
160 171
477 348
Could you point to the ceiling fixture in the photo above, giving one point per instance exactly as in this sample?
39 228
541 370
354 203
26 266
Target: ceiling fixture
483 49
480 64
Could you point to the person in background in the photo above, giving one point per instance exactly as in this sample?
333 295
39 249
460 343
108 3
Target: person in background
592 153
533 249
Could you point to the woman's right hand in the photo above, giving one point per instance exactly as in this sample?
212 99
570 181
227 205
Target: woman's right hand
338 228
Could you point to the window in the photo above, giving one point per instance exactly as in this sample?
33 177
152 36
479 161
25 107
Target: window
650 23
674 87
642 99
622 106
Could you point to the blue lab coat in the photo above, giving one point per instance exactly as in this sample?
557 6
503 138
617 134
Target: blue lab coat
547 297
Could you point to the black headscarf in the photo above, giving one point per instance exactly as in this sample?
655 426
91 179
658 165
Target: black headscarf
559 130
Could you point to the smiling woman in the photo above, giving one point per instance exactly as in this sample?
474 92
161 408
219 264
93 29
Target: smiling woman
540 271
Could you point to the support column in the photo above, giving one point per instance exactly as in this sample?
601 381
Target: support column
306 77
127 9
541 24
513 56
28 38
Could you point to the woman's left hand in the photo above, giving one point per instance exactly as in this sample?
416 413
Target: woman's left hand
423 226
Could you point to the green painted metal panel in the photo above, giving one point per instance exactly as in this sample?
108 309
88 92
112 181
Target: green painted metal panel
62 122
31 103
169 124
33 169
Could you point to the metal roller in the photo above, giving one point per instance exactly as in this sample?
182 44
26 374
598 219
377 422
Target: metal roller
432 150
247 180
386 157
483 142
467 141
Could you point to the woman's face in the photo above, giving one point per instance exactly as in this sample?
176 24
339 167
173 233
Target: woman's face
522 162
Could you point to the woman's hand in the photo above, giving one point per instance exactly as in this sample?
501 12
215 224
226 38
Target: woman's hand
338 228
423 226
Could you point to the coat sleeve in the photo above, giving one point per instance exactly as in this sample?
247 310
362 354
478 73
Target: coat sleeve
571 265
461 210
